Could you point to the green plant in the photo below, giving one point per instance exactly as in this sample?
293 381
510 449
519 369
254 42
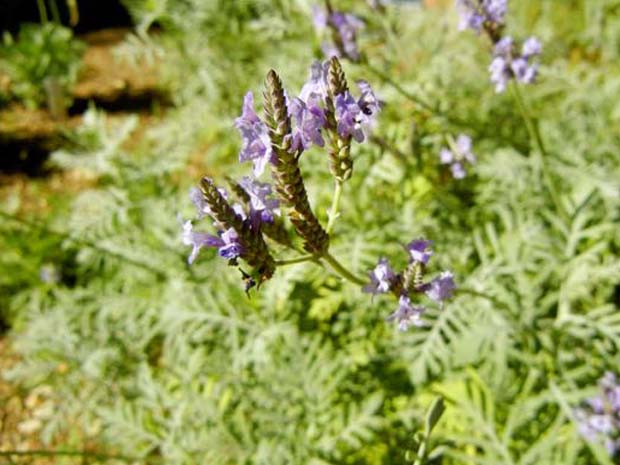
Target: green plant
40 52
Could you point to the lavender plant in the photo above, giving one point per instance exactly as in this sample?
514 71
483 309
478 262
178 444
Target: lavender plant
488 16
324 110
343 29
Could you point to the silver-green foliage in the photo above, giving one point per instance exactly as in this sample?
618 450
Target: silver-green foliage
177 364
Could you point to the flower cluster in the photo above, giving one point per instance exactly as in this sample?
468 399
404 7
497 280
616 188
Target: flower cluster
507 62
459 153
479 14
384 280
344 28
324 114
599 418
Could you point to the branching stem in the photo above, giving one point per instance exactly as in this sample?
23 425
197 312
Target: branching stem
541 152
334 211
342 270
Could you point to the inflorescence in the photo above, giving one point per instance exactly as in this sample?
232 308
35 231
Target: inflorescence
509 60
410 282
599 418
250 221
343 28
458 155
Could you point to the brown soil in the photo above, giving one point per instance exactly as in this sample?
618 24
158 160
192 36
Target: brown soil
107 79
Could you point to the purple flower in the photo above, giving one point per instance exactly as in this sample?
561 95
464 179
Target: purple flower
456 158
262 207
531 47
419 250
381 278
310 120
441 288
500 73
227 243
255 136
506 65
368 103
407 315
464 148
315 89
356 118
197 240
446 156
348 117
346 26
475 13
495 10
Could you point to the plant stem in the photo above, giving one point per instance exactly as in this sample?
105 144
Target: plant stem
536 138
342 270
400 89
293 261
531 127
42 11
334 212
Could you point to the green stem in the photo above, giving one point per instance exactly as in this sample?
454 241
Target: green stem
541 152
42 11
342 270
293 261
334 212
531 127
400 89
54 10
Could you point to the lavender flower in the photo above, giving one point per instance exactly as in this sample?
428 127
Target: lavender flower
381 278
419 251
456 158
345 27
441 288
255 135
263 208
310 120
531 47
599 418
347 115
407 315
506 65
227 244
356 118
197 240
475 14
315 90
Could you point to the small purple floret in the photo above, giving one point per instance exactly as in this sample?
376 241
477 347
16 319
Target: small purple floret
419 250
255 136
263 208
442 287
381 278
310 120
407 315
